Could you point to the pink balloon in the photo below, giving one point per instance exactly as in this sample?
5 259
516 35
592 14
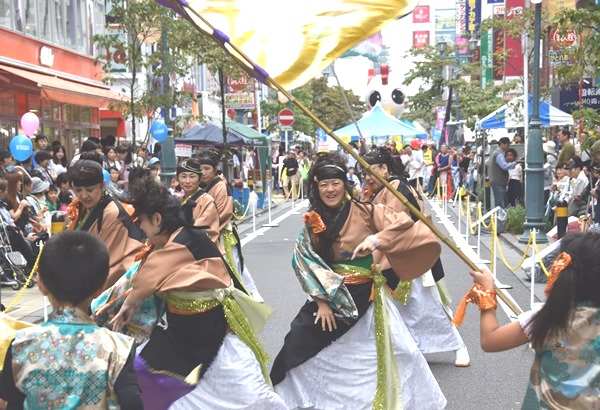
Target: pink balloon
30 123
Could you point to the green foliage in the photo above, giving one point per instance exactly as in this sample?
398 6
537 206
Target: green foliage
515 218
325 102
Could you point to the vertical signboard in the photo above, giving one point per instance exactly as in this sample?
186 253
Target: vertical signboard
420 39
421 14
514 57
487 47
445 29
498 51
473 16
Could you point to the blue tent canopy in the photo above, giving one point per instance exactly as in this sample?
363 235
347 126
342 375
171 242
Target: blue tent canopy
512 115
379 124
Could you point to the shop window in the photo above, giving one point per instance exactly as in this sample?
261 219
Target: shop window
6 17
72 113
76 139
58 22
52 111
34 103
7 103
86 116
30 12
8 129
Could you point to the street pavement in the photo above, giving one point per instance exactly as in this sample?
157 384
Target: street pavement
493 381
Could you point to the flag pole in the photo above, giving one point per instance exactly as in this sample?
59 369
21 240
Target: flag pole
259 73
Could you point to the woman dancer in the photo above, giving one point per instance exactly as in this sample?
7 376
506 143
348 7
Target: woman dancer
420 302
216 187
205 212
93 210
207 355
342 348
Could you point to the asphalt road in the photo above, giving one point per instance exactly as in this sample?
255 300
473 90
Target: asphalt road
493 381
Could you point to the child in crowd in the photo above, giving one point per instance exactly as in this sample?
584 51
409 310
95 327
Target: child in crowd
52 198
69 362
564 333
514 195
64 199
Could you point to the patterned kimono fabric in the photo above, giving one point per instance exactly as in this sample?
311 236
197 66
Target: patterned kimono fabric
566 372
89 360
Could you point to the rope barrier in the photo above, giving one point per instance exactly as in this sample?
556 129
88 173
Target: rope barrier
26 284
537 252
494 237
480 215
245 212
501 253
288 195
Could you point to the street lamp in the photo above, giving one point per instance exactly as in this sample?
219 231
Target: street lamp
534 171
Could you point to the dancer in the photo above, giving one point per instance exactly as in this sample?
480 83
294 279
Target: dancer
93 210
68 362
206 355
565 333
220 190
205 213
342 348
422 305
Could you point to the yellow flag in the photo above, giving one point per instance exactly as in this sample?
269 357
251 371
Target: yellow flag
293 41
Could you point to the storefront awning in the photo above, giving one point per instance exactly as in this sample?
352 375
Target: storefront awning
65 91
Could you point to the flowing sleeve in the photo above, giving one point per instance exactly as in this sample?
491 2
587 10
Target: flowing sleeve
121 247
410 247
207 215
224 204
174 267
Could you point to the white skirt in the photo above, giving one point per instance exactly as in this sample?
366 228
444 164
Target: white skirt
344 374
427 321
233 381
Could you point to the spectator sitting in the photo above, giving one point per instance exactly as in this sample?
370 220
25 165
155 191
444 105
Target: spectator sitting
154 167
87 146
52 198
6 160
43 159
64 199
59 162
37 203
114 188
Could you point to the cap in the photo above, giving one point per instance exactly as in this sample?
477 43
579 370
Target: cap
549 147
575 162
153 160
39 185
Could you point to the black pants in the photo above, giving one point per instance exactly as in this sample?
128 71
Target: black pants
20 244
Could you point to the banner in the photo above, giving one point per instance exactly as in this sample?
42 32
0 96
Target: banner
487 46
514 57
445 25
498 63
421 14
473 15
420 39
461 17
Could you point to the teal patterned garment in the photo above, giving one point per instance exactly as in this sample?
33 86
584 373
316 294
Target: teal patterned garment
318 280
69 362
566 373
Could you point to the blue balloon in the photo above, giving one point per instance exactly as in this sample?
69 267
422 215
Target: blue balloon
21 147
106 176
159 131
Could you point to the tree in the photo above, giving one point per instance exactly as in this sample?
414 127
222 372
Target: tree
325 102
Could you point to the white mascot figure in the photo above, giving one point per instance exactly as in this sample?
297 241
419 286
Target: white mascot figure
386 88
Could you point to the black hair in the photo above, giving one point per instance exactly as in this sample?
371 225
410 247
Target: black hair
73 265
88 145
85 170
52 188
210 157
65 197
566 132
512 151
40 137
578 282
383 155
107 148
149 197
55 149
92 156
42 156
62 178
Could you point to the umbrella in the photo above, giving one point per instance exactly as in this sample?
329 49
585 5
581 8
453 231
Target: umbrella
212 134
511 115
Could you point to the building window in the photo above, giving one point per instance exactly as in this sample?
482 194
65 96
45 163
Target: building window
31 17
45 20
58 27
75 19
86 116
52 111
6 19
7 103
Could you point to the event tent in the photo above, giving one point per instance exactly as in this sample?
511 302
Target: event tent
512 115
379 126
212 134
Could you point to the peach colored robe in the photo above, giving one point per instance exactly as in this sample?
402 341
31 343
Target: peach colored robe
223 201
411 248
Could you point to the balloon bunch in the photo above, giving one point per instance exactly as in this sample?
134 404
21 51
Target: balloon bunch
21 146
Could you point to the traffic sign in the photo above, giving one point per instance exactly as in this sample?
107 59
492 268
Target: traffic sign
286 117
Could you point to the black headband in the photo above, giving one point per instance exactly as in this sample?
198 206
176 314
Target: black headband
330 172
206 160
88 181
186 166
